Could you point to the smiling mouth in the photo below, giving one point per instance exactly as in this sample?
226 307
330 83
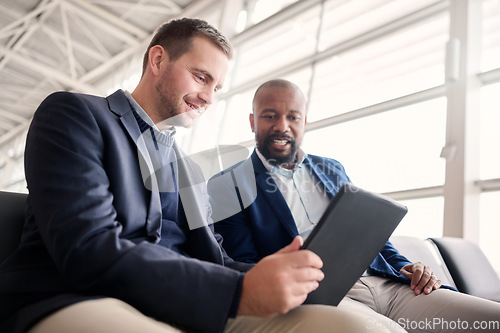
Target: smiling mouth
195 108
280 143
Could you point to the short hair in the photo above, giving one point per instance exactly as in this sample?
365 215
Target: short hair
176 38
276 83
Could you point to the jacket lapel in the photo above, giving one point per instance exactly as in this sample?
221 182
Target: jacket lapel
268 188
329 187
119 104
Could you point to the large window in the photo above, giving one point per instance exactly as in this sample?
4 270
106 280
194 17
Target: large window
374 74
390 151
345 21
424 218
491 35
378 98
490 228
490 132
277 47
397 63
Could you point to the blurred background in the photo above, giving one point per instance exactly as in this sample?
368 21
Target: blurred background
404 93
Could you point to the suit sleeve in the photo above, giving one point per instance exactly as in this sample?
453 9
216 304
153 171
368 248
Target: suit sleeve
233 222
238 239
393 257
72 201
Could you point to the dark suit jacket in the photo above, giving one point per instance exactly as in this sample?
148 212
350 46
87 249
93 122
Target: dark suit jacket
266 225
92 227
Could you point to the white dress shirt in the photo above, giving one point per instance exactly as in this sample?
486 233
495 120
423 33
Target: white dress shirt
303 192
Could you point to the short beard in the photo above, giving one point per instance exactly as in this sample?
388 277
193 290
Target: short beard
171 111
278 160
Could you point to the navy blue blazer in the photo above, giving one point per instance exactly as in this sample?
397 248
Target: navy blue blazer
92 228
266 225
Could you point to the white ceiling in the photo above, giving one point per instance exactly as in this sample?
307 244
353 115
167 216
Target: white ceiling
49 45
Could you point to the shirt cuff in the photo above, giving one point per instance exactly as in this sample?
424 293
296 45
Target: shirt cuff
233 311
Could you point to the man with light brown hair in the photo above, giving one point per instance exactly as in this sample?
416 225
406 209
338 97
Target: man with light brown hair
109 244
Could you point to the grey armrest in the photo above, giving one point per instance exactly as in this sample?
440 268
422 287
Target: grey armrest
471 270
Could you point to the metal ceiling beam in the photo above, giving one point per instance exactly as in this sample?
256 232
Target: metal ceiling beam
12 116
93 38
14 132
81 85
269 23
111 64
81 12
172 4
3 124
23 80
364 38
22 36
21 110
100 54
9 89
68 41
41 8
229 16
191 11
49 72
115 25
168 7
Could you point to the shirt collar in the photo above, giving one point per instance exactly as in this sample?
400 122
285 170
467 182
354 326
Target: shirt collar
140 111
301 156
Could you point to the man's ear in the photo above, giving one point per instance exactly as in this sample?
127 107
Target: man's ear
305 120
252 124
157 54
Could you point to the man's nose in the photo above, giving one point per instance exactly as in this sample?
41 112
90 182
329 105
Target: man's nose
207 95
281 124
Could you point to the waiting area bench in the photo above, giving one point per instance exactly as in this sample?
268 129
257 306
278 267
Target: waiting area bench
456 262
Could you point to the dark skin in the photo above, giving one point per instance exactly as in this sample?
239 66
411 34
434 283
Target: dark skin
278 121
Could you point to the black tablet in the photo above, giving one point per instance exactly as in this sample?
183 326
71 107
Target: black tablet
352 231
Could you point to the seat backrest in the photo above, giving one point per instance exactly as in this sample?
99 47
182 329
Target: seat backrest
470 268
417 249
11 221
